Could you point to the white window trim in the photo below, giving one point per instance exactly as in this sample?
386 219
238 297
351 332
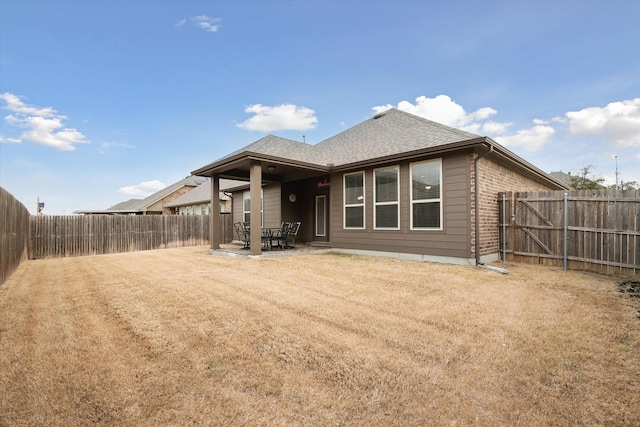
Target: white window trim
439 199
354 205
324 215
376 203
244 212
249 211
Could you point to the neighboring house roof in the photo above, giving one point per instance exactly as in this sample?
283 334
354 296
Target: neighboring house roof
562 176
142 205
202 193
392 135
128 205
190 181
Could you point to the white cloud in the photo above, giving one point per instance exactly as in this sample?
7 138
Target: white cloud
281 117
143 189
15 104
204 22
42 125
443 109
618 122
494 128
207 23
8 140
530 140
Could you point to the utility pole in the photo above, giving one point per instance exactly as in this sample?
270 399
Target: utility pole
615 156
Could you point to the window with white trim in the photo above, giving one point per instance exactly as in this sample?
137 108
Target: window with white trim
426 195
246 206
386 206
354 200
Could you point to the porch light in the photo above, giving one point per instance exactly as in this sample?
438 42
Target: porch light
271 168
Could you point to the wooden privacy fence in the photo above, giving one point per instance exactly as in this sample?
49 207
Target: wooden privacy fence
580 230
14 234
60 236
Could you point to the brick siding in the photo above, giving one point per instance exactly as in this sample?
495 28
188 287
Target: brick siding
494 178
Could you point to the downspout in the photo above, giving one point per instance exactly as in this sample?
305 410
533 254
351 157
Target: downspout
476 190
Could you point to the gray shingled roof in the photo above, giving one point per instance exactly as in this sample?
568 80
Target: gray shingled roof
202 193
140 205
129 205
391 134
190 181
386 134
276 146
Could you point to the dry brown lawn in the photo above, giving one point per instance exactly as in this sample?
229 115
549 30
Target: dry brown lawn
181 337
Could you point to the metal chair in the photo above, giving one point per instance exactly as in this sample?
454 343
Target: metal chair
243 234
281 235
293 232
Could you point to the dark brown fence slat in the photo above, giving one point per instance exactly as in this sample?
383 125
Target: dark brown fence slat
14 234
76 235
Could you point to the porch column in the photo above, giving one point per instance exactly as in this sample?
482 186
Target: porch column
214 215
255 176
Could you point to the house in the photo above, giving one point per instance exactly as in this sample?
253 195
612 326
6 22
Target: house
198 200
155 204
394 185
563 177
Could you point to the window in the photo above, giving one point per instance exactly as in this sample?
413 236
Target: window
426 195
386 206
354 200
246 206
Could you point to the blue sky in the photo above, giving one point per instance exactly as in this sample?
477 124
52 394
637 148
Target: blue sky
103 101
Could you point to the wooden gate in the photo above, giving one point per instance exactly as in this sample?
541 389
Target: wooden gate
582 230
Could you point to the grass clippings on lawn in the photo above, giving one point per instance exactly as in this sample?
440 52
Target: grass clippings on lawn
180 337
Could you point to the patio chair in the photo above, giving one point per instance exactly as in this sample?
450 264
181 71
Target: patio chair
267 238
292 232
243 234
280 236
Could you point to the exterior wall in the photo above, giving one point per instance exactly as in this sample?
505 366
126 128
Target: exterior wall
159 206
271 206
494 178
303 209
200 209
453 241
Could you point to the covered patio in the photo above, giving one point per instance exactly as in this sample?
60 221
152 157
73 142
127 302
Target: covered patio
259 169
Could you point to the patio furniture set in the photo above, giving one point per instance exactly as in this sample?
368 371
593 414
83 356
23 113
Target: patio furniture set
283 237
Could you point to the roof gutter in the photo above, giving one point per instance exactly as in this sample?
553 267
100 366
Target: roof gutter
476 190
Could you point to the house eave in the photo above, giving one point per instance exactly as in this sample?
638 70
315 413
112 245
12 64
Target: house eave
238 160
525 166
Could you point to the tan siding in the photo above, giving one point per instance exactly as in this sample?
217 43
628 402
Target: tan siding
236 206
271 205
452 241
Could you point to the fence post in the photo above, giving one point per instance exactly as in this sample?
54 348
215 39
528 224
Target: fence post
504 227
564 234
